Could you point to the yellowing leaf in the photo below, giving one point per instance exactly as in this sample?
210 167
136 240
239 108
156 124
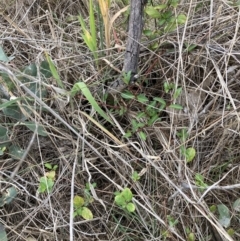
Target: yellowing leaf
86 213
78 202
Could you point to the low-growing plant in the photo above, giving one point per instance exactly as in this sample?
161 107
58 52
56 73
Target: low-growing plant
47 181
80 203
199 181
124 200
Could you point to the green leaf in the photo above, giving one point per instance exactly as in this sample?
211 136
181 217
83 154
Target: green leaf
3 137
148 32
10 194
86 213
13 111
153 119
213 208
141 115
120 200
142 98
231 232
48 166
127 194
128 134
130 207
142 135
135 176
16 152
54 71
152 12
31 70
46 184
81 86
191 237
92 23
3 234
190 154
45 69
174 3
236 205
224 215
176 106
177 92
182 134
78 201
127 95
31 125
161 7
181 19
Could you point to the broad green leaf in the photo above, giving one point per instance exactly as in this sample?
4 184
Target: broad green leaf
160 100
130 207
30 70
181 19
3 137
231 232
148 32
31 125
45 69
142 98
120 200
236 205
128 134
86 213
127 194
224 215
176 106
81 86
16 152
152 12
3 234
213 208
13 111
174 3
78 201
190 154
54 71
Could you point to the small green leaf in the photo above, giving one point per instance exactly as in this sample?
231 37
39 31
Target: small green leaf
127 194
142 135
141 115
176 106
142 98
127 95
31 70
130 207
152 12
86 213
48 166
224 215
128 134
135 176
120 200
177 92
161 7
181 19
190 154
78 201
231 232
213 208
191 237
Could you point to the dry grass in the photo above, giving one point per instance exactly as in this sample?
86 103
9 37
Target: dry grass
209 76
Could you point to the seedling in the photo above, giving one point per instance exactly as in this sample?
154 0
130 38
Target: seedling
80 208
47 181
124 200
199 181
135 176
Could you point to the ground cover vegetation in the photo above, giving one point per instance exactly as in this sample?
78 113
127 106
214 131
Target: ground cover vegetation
158 160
